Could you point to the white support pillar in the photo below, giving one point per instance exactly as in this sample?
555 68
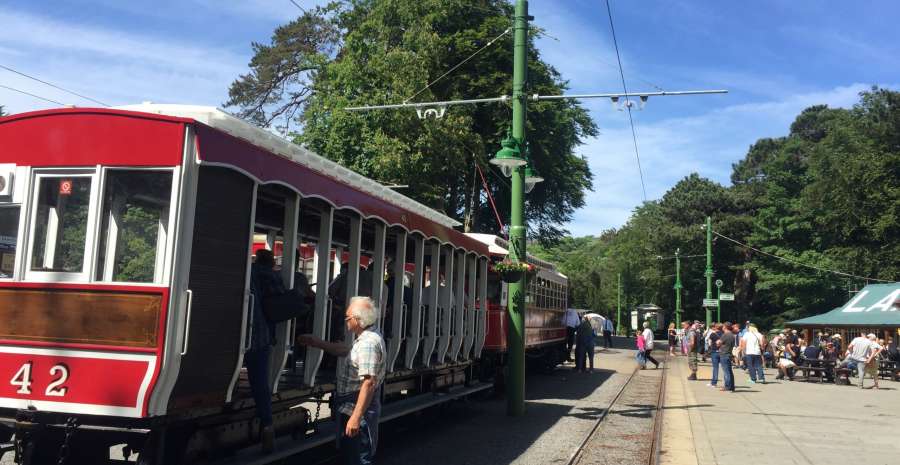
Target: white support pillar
445 308
377 268
354 246
432 304
322 316
399 318
417 306
285 330
481 324
459 303
471 313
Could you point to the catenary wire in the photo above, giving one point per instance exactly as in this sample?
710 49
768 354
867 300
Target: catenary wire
33 95
53 85
298 6
799 263
491 42
637 155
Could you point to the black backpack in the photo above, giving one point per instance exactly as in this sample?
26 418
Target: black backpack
698 343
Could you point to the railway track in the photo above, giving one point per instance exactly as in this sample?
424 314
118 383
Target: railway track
628 430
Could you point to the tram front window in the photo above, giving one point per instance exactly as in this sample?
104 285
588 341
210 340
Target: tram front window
135 219
61 223
9 233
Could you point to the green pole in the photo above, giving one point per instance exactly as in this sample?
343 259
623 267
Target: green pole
718 303
619 304
677 288
515 338
709 270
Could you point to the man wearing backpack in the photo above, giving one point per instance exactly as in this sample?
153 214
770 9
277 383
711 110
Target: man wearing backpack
694 345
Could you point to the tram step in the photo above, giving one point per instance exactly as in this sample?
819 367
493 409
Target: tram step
285 446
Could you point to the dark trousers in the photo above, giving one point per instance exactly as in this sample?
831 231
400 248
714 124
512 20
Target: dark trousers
649 357
584 353
360 449
570 341
607 338
727 372
257 361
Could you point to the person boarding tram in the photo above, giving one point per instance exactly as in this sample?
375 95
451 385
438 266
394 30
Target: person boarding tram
264 282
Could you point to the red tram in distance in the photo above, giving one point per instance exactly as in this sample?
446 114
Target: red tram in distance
126 238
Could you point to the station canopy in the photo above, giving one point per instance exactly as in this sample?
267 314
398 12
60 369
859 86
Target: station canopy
874 305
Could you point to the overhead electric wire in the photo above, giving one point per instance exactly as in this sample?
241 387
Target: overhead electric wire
637 155
33 95
491 42
799 263
53 85
298 6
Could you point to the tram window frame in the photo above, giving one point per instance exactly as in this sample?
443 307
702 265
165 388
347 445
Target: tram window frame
162 260
17 238
39 275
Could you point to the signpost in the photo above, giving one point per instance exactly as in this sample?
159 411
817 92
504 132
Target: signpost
726 296
710 302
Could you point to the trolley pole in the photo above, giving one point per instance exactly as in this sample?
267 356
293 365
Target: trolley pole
618 304
515 338
709 269
678 288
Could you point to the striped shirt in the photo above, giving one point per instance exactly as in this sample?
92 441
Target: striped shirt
366 358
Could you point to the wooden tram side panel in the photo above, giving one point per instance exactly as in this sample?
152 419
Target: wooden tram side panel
217 280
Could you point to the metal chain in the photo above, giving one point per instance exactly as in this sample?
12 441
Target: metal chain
20 449
71 425
318 412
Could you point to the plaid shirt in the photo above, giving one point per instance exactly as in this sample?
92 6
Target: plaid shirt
367 358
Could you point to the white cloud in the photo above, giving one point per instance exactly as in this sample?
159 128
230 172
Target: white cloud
111 65
675 147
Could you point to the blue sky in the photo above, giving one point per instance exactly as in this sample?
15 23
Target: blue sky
775 58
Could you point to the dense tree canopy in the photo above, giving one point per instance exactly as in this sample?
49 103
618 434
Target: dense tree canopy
365 52
825 196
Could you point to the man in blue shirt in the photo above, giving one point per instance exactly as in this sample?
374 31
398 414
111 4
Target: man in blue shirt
607 332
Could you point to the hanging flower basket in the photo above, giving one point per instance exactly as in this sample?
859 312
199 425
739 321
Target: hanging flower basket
511 272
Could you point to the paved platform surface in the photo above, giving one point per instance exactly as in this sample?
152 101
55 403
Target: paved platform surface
562 408
781 422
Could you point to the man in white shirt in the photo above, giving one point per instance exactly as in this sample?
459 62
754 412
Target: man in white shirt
648 344
862 351
572 321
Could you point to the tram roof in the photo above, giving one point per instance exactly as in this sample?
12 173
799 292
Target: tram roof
218 119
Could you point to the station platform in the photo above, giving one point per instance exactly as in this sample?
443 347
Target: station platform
780 422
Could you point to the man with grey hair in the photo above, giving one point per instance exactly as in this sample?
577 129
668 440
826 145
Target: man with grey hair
361 370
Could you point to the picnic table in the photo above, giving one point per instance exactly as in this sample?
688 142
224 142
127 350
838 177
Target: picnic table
816 368
889 369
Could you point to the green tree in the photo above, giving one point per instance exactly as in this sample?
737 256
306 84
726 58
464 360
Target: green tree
377 52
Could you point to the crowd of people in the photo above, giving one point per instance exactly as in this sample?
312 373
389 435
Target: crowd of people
730 345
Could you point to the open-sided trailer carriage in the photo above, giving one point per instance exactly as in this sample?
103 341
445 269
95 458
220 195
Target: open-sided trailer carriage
125 309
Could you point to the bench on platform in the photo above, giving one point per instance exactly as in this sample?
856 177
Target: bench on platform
889 369
815 368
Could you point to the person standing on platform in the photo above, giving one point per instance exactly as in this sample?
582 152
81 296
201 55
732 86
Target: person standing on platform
672 333
726 346
607 332
752 343
572 321
648 344
584 346
361 371
694 340
713 350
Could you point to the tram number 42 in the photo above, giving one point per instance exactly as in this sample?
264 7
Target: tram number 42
23 380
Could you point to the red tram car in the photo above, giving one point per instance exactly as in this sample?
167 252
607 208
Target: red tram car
126 238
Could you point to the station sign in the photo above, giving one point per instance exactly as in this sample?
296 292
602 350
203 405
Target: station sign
710 303
725 296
